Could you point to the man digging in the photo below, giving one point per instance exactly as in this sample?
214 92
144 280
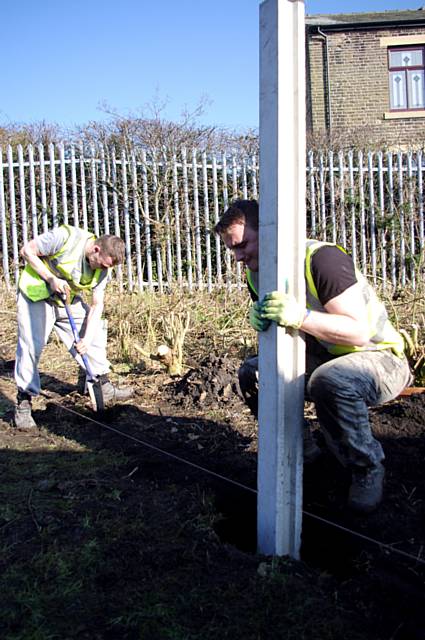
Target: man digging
63 262
354 356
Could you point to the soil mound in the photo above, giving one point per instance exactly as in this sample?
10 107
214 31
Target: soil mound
214 381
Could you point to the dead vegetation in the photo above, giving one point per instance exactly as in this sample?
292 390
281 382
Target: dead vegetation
105 537
189 325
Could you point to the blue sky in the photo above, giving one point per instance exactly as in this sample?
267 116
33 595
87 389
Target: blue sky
62 59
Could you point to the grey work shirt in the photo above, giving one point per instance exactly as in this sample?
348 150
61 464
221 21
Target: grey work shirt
52 241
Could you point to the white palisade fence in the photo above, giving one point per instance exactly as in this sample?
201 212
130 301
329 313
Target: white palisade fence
165 207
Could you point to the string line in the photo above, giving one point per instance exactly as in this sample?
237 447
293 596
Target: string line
382 545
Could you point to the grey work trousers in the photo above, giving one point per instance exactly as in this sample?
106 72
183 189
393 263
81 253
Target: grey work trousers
35 323
342 388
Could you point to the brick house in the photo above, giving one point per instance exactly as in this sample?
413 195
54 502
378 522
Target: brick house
365 76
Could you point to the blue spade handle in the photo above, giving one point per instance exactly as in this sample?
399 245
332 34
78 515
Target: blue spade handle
77 339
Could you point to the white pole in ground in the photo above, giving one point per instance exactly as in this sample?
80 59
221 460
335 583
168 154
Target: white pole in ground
282 250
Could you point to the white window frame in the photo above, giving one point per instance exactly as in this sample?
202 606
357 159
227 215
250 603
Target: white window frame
407 43
402 97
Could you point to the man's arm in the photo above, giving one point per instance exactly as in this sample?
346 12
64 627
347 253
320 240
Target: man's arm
31 253
345 320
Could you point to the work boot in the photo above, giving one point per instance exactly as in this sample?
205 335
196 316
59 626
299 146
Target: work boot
23 418
366 489
112 394
311 449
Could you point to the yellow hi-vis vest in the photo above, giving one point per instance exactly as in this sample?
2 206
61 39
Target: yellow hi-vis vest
66 264
382 334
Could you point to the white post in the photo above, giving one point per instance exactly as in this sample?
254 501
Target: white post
282 250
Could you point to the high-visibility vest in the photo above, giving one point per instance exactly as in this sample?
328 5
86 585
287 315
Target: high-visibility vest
382 334
66 264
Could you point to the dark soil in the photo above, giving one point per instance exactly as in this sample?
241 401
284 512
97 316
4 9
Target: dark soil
153 505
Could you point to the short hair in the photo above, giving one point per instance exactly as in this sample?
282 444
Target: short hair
112 246
240 211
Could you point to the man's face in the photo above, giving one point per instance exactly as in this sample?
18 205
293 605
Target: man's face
243 241
99 260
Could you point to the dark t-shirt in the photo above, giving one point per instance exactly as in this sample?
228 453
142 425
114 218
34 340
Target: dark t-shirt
332 270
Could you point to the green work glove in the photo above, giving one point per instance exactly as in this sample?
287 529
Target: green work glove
256 320
283 309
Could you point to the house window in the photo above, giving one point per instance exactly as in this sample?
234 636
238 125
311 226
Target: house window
406 67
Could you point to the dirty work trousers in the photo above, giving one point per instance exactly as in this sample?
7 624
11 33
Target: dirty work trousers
342 388
35 323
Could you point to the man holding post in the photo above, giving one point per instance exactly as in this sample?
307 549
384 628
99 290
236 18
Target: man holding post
64 261
354 355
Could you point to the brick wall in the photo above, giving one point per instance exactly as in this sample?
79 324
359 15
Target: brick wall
358 84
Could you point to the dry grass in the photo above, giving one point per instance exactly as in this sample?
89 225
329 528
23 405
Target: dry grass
100 539
218 323
407 311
